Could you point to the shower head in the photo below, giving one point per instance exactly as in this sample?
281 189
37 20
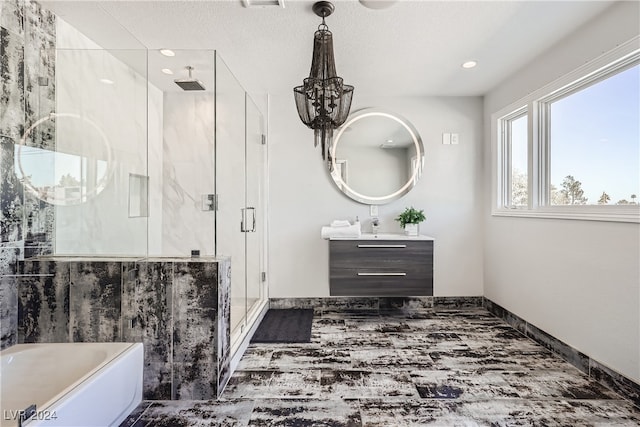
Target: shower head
190 83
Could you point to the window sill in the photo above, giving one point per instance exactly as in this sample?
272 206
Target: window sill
631 215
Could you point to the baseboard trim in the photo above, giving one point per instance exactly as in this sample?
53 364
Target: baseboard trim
617 382
327 304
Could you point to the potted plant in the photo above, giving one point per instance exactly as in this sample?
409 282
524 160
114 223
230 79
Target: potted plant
409 220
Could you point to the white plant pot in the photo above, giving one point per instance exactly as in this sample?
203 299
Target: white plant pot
411 229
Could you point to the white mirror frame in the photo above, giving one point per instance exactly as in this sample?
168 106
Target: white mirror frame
337 173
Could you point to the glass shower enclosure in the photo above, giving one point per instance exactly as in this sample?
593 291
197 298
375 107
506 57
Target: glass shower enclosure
117 160
241 189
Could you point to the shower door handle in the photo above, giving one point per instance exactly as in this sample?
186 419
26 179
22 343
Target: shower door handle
243 220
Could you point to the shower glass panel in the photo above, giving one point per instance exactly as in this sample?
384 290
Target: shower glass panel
256 202
103 120
181 155
88 136
230 186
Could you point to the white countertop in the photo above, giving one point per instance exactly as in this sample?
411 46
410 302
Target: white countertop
384 236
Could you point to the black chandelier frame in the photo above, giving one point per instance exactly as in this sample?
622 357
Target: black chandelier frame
323 100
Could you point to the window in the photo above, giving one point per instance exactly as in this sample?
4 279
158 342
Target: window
572 149
594 142
518 169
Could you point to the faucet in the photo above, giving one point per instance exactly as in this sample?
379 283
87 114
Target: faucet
375 223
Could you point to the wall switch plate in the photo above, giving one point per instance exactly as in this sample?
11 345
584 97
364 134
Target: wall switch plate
455 138
446 138
373 211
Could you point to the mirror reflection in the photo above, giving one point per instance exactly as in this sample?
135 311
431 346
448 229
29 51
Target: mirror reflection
377 157
76 170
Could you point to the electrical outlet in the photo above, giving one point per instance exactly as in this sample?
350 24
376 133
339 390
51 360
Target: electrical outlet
455 138
373 211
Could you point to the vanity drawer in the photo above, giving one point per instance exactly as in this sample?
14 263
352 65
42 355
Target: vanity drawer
380 253
391 286
381 267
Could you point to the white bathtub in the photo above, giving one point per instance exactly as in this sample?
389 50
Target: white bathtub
71 384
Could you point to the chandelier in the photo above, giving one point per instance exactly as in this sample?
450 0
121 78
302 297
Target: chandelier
323 100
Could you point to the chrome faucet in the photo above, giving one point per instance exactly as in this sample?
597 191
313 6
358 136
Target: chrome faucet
375 223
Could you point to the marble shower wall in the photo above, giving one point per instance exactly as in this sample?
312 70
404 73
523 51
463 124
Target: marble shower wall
178 308
27 93
187 173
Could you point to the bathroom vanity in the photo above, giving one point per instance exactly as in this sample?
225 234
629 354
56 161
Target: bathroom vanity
381 265
378 264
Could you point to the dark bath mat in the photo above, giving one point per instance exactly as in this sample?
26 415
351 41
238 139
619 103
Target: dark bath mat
285 326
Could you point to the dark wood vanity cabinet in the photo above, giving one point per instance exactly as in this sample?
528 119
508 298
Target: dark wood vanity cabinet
381 267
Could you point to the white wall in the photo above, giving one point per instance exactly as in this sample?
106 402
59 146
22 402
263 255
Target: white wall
303 197
577 280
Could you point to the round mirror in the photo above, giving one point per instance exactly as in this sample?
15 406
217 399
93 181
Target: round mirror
78 168
376 157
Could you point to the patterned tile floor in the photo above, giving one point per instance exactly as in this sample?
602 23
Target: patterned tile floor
437 368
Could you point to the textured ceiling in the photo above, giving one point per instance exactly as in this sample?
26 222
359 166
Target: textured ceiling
410 48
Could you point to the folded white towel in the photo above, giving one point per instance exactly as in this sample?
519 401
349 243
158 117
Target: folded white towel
350 231
340 223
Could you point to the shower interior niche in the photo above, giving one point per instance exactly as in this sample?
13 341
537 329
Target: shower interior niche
132 173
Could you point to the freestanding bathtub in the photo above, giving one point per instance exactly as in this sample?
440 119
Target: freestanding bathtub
71 384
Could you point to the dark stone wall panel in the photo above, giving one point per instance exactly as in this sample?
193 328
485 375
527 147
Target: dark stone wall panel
194 354
223 342
11 200
8 297
147 318
27 52
43 302
12 16
194 381
196 285
12 85
96 296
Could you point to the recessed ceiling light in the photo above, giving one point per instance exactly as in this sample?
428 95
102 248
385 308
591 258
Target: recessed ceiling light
378 4
167 71
167 52
262 3
106 81
469 64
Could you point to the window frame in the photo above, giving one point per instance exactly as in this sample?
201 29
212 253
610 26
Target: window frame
506 144
536 106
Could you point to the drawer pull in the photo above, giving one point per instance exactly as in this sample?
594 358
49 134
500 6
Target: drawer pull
382 246
382 274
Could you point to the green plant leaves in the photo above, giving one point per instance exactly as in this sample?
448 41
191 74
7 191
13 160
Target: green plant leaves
411 216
